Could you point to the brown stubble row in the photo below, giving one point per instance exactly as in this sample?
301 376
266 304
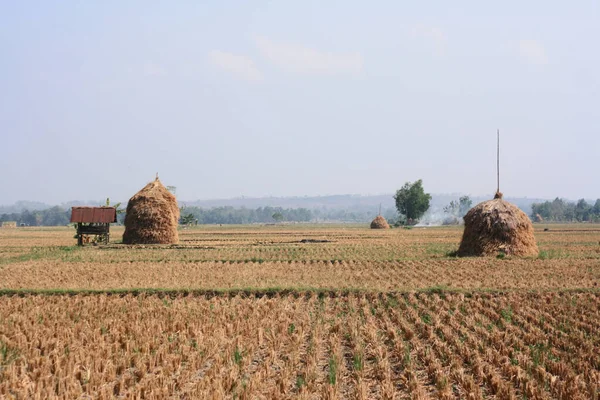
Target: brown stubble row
464 274
414 345
258 242
284 243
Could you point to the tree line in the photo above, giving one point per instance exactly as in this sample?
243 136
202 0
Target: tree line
59 216
231 215
53 216
411 203
560 210
268 214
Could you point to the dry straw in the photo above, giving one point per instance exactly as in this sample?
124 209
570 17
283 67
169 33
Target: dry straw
496 226
379 223
152 216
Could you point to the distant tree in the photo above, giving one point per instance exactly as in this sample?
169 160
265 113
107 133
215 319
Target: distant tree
595 211
117 206
10 217
30 218
465 205
278 217
120 211
582 210
54 216
459 208
188 219
560 210
541 209
569 212
412 201
596 208
452 208
565 211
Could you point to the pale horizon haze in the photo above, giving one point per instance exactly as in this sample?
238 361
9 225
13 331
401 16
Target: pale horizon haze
227 99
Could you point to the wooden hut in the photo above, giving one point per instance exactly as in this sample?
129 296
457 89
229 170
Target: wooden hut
93 221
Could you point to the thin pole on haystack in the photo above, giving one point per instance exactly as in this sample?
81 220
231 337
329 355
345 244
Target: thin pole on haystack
379 209
498 160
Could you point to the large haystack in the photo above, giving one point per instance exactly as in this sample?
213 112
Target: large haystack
152 216
496 226
379 223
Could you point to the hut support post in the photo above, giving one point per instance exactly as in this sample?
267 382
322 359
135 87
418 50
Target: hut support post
79 235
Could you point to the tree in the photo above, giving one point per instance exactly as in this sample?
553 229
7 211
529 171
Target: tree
54 216
278 217
120 211
541 209
188 219
30 218
596 208
465 205
459 208
452 208
595 217
412 201
582 210
117 206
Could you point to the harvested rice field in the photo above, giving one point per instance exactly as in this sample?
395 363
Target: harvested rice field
266 312
296 257
303 345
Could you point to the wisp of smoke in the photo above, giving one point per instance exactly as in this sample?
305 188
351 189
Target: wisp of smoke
436 216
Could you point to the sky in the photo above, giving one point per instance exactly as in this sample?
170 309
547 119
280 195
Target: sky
226 99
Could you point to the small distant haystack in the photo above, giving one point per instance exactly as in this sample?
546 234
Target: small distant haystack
379 223
152 216
497 226
539 218
9 224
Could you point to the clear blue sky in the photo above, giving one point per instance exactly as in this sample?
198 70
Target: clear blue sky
298 98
